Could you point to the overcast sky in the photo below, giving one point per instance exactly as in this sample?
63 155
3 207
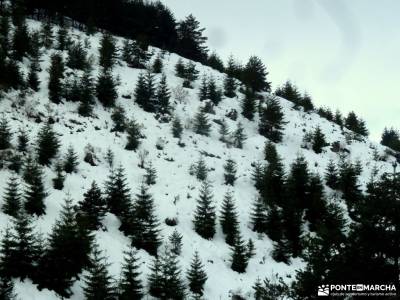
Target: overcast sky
344 53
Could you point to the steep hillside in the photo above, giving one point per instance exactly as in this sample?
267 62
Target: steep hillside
176 191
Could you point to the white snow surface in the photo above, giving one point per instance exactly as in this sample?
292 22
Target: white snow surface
173 176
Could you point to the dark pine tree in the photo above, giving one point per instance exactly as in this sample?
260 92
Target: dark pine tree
22 141
119 119
177 127
391 139
214 94
145 93
77 56
56 73
205 216
316 205
271 121
224 132
86 85
201 124
5 134
255 75
215 62
58 181
229 86
107 55
106 90
130 285
6 254
71 160
238 136
157 66
98 283
230 172
196 275
249 104
7 289
117 193
332 175
20 42
318 141
203 91
258 216
35 192
144 223
134 135
92 208
163 96
33 78
270 152
12 198
200 169
175 241
229 219
239 259
257 175
47 144
135 54
151 174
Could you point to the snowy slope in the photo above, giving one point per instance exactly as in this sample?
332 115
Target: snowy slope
172 164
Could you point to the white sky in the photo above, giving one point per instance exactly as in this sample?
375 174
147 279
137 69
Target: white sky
344 53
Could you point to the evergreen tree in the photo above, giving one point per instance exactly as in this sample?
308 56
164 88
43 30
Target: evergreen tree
200 169
204 217
71 160
177 127
272 186
201 124
251 250
332 175
348 184
290 92
238 136
47 144
5 134
7 289
230 172
23 141
7 254
46 35
224 132
107 52
62 38
254 75
306 103
281 251
86 94
56 73
77 56
271 121
175 241
249 104
239 257
135 55
316 205
257 175
163 96
99 283
119 119
12 197
214 94
229 219
91 210
145 94
20 42
191 74
151 174
58 181
144 222
196 275
130 285
215 62
391 139
258 216
34 193
318 140
165 279
157 64
134 135
180 68
66 254
33 78
203 93
270 153
106 90
229 86
117 193
273 223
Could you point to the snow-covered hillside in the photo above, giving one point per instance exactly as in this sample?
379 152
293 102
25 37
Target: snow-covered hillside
176 190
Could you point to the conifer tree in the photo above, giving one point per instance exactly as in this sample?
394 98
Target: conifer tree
200 169
258 216
34 194
272 186
254 75
62 38
175 241
316 205
135 55
92 208
98 283
7 289
238 136
20 41
257 175
33 78
58 181
273 223
201 124
318 140
77 56
271 121
229 219
107 55
214 94
332 175
196 275
47 144
151 174
165 279
86 94
6 254
66 254
205 217
177 127
145 93
281 251
106 90
119 119
117 193
229 86
203 93
12 197
145 233
224 132
191 74
157 64
230 172
251 250
163 96
56 73
134 135
180 68
5 134
130 285
270 153
215 62
46 34
249 104
71 160
23 141
239 257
